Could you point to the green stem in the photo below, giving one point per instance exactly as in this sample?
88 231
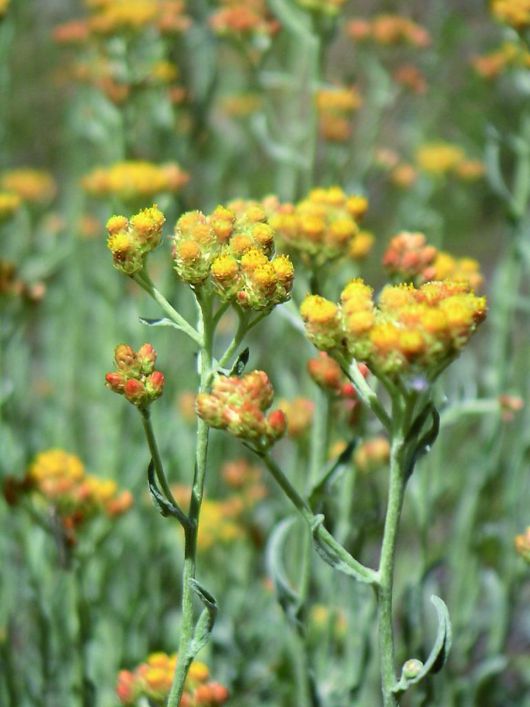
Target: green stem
367 395
190 548
159 469
312 521
401 422
145 283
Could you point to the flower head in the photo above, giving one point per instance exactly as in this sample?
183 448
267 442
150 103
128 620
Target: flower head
136 377
231 251
131 240
409 328
240 406
132 181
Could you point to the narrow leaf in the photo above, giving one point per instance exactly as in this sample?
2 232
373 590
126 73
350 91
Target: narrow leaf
205 624
439 652
288 598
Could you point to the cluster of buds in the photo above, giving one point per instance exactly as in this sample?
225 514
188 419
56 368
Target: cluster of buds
133 181
410 258
336 106
299 415
509 55
110 17
515 13
388 30
322 227
409 329
326 7
233 252
522 545
136 377
239 405
131 240
32 186
58 481
441 158
372 454
243 19
151 681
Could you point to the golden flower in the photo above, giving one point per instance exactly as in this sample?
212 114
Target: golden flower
9 205
409 328
515 13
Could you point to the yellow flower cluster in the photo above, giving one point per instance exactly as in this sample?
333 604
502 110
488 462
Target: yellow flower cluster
336 107
60 479
4 4
326 7
388 30
508 56
438 158
131 240
110 17
132 181
323 226
231 250
515 13
410 328
9 205
31 185
447 267
152 680
243 18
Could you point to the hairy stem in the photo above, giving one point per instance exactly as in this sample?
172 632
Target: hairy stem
185 656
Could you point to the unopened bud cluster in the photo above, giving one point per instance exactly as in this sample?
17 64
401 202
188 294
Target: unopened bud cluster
151 681
409 328
410 257
328 375
322 227
239 405
135 377
232 252
131 240
58 482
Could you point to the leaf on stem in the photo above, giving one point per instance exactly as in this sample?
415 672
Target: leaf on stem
163 321
333 555
206 621
287 597
165 506
438 655
241 362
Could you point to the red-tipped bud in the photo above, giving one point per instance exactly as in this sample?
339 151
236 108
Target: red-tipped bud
134 391
348 391
116 381
146 358
276 424
154 384
124 356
